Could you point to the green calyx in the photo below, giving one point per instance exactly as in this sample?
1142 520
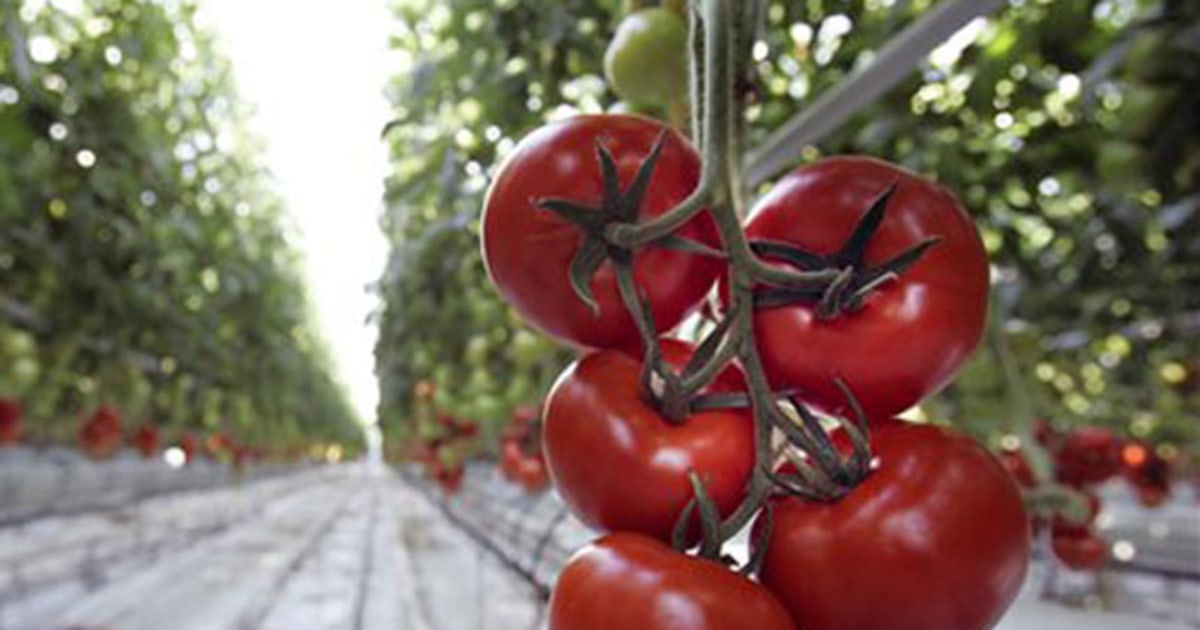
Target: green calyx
854 280
617 206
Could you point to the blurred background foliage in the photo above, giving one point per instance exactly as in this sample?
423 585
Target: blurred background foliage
145 259
1071 129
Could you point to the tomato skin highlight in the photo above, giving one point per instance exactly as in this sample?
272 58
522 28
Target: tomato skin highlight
528 251
619 465
912 334
934 539
626 581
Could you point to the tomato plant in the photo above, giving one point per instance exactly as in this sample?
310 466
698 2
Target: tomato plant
937 531
597 421
529 251
626 581
926 321
646 62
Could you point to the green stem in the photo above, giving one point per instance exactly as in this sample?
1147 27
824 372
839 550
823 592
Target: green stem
1021 402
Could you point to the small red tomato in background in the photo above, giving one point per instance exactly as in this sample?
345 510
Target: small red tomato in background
449 476
147 440
100 435
10 421
935 538
188 444
626 581
1080 551
620 465
911 335
528 251
1078 524
1087 455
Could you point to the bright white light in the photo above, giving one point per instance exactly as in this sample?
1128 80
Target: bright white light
42 49
85 158
1124 550
945 55
317 84
174 457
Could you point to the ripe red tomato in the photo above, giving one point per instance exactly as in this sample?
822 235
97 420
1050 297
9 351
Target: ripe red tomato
146 440
1080 551
188 444
934 539
100 435
911 335
528 250
1088 455
511 455
625 581
532 474
619 465
10 421
449 476
1061 525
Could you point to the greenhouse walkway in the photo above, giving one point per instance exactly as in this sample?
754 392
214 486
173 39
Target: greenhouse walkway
343 547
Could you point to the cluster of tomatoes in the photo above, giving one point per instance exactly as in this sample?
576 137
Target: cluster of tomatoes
1084 458
441 454
935 529
101 434
521 458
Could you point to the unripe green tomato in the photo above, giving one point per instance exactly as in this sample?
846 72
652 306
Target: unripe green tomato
477 350
646 62
527 349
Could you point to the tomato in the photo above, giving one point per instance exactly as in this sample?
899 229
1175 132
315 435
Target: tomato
532 474
1080 551
646 62
146 440
528 250
449 477
511 456
625 581
10 421
1088 455
188 444
935 538
100 435
620 465
911 335
1015 463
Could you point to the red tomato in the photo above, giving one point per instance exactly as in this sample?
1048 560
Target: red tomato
619 465
912 334
528 251
10 421
1017 466
147 440
532 474
1088 455
1081 552
625 581
100 435
188 444
449 477
934 539
511 455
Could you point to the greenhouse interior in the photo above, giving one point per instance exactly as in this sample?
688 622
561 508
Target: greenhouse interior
506 315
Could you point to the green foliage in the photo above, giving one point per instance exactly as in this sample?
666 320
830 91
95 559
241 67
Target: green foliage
1071 129
144 259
